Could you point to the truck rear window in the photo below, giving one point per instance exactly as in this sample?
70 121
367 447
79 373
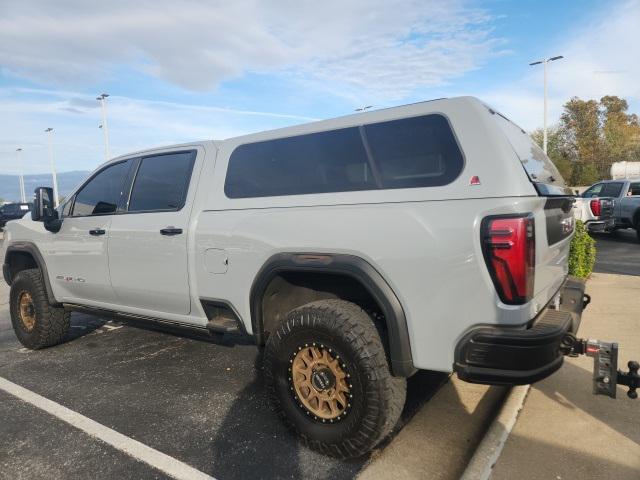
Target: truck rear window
406 153
539 167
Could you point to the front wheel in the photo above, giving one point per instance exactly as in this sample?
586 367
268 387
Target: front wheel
329 380
36 323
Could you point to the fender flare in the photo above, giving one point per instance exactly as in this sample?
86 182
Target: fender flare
354 267
34 251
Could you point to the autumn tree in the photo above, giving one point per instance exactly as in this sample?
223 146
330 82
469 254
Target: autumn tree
590 136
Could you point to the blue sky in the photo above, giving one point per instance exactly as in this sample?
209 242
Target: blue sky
189 70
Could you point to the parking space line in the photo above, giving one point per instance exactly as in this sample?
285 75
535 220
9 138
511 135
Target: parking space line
139 451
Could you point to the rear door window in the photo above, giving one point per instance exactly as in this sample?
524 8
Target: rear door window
162 182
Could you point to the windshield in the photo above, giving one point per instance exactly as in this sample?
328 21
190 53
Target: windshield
538 166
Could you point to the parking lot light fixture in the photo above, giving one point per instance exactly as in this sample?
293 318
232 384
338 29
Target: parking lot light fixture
544 122
105 130
23 197
54 176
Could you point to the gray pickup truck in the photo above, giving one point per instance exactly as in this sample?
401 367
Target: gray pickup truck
626 201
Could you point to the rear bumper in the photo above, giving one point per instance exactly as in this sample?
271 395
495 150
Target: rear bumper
506 356
601 225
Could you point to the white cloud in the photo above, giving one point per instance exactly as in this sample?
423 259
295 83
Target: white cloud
384 47
601 58
134 124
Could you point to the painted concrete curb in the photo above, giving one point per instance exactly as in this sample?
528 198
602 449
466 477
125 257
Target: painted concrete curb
490 447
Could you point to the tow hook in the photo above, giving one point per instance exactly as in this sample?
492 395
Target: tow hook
606 375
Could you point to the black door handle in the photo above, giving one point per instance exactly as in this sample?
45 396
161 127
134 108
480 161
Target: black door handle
96 232
171 231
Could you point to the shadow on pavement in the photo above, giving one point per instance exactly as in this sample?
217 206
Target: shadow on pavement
82 325
543 461
575 384
252 444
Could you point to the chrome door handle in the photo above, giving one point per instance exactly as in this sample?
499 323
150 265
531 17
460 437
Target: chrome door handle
96 232
171 231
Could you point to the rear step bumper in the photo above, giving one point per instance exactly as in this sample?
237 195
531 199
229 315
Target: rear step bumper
506 356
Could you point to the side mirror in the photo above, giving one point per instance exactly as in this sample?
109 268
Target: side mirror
577 192
44 211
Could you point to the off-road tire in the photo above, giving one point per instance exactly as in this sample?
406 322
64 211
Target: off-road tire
377 397
51 323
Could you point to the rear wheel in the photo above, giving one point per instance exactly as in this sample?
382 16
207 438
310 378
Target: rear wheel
329 380
36 323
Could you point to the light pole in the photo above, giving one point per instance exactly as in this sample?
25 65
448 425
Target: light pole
544 122
53 167
101 98
23 197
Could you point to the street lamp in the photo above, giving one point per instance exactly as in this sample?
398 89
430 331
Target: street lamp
101 98
53 167
544 123
23 197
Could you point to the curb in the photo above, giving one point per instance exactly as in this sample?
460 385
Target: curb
486 455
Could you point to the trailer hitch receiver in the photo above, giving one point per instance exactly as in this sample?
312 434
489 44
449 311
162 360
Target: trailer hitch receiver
606 376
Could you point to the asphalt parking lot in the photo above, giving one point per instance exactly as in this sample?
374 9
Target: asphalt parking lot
618 252
199 400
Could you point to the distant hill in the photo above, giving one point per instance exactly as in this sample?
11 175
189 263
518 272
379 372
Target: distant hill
67 181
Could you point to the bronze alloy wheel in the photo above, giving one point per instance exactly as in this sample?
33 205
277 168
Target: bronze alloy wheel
320 383
27 311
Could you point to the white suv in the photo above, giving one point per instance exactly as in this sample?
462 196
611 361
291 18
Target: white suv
357 250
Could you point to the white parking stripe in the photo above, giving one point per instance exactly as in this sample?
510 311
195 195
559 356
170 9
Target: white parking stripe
135 449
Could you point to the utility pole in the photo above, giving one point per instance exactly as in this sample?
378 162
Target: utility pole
102 99
53 167
23 197
544 121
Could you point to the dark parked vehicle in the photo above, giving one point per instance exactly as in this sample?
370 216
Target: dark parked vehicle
13 211
626 201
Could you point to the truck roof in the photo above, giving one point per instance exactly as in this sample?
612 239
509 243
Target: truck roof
329 124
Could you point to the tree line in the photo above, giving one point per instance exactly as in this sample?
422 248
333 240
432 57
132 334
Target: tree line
590 136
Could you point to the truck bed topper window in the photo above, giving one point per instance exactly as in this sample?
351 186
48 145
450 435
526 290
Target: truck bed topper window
406 153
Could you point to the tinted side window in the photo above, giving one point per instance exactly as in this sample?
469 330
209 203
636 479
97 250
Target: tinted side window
66 208
101 195
634 189
162 182
322 162
413 152
611 189
593 191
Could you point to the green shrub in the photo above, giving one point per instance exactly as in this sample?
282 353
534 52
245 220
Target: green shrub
582 255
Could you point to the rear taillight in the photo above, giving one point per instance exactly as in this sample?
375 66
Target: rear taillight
509 247
596 207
